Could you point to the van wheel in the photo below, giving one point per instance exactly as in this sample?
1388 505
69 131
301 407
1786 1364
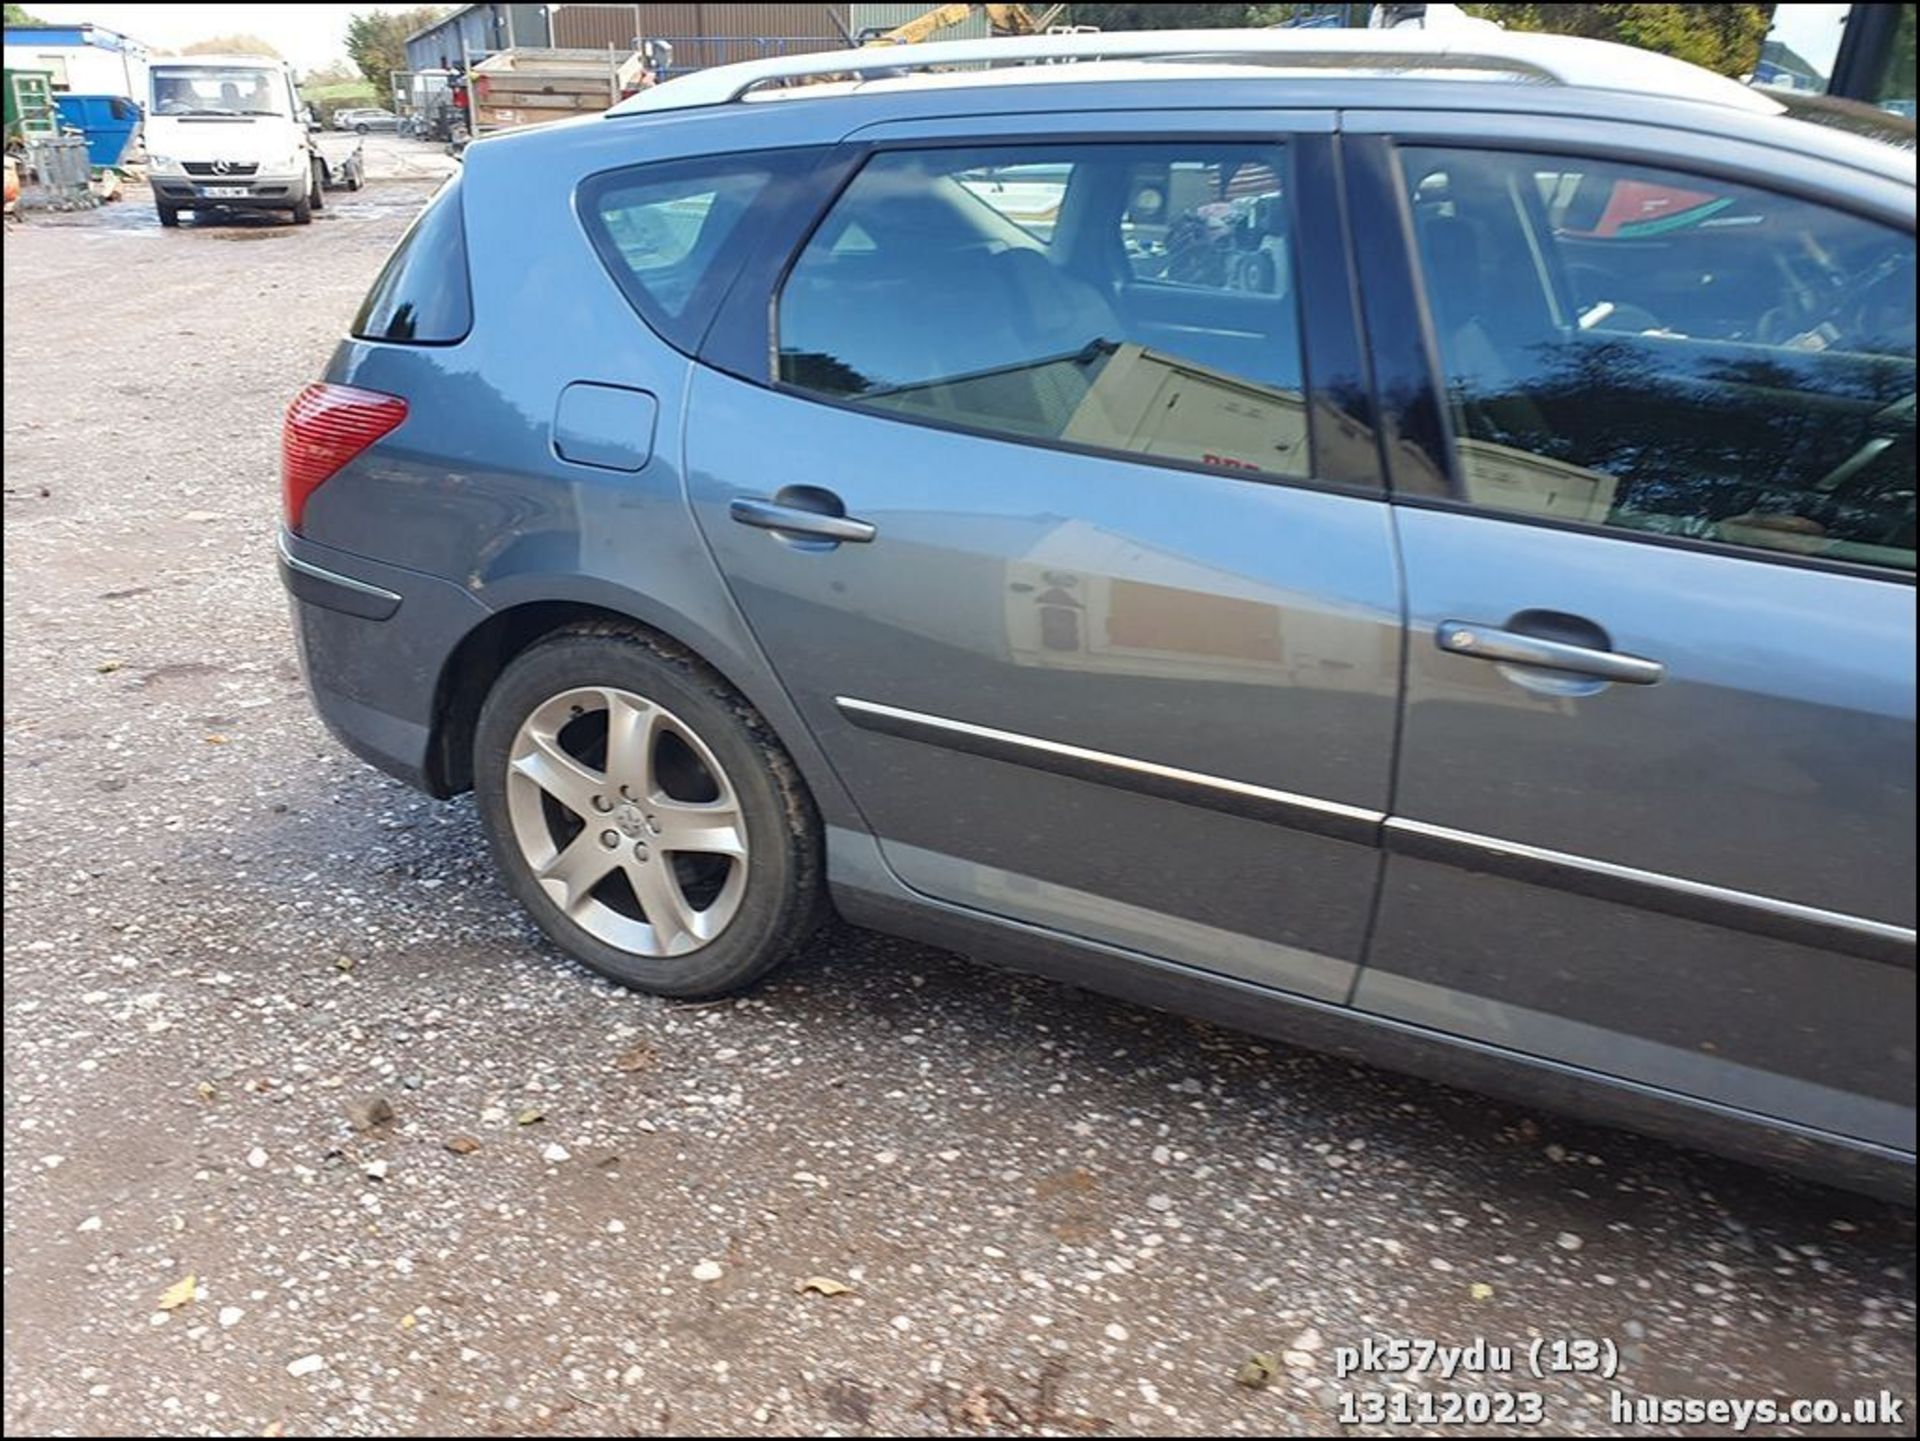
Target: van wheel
645 815
303 211
169 214
317 187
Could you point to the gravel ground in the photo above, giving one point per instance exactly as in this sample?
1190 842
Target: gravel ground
591 1211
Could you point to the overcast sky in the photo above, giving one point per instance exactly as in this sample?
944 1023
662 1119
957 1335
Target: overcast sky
308 35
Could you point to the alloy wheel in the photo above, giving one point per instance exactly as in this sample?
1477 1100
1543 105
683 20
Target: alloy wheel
627 820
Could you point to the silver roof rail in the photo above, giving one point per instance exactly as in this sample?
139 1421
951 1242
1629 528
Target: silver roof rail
1554 59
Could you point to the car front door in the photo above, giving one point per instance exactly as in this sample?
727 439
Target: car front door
1655 802
1099 625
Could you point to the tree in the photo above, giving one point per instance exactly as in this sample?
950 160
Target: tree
1725 38
377 40
230 45
17 15
334 72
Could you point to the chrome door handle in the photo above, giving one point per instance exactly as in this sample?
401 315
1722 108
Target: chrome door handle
794 520
1480 642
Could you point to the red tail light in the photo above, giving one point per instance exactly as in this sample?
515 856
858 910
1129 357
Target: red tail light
327 426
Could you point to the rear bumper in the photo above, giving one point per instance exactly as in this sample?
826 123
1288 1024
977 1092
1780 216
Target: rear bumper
374 641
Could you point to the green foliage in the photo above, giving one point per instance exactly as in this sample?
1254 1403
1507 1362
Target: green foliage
17 15
377 40
334 72
1725 38
355 94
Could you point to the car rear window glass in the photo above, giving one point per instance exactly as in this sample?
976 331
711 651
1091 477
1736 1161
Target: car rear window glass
422 296
672 236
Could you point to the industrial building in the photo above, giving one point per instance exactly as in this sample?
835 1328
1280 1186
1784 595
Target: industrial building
702 35
82 59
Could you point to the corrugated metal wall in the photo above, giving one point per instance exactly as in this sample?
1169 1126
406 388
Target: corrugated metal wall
483 27
704 34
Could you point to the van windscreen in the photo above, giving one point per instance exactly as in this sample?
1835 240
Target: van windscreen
217 90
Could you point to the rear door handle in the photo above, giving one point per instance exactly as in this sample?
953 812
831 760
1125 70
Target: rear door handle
794 520
1480 642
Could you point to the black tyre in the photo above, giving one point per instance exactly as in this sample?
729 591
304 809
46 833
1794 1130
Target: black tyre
303 211
645 815
169 214
359 130
317 187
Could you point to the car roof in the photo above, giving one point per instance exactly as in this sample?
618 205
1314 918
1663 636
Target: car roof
1559 60
1408 75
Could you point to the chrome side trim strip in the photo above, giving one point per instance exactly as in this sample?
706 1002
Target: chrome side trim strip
1652 890
1241 798
1466 850
320 572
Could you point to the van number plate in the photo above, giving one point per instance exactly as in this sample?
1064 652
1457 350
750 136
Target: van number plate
224 192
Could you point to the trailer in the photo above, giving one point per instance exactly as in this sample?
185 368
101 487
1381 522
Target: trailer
341 158
515 88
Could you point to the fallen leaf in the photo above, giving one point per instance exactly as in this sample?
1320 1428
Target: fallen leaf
409 1321
825 1285
531 1116
108 667
343 963
216 740
636 1058
178 1294
1480 1291
462 1145
275 1428
204 1090
1258 1371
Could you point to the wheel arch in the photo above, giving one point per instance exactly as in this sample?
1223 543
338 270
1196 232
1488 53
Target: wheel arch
479 657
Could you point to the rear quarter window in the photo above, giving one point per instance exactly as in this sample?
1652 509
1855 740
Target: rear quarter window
674 235
422 296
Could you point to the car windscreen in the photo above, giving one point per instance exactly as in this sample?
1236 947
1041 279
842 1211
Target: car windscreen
217 90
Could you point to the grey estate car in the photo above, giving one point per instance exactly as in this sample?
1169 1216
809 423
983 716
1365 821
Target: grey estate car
1399 545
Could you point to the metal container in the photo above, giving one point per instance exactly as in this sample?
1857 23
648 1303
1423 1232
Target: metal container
59 163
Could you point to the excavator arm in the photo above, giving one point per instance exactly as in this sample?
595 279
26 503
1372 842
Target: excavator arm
1004 20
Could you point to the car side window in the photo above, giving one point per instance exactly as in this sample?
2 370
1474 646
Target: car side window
1638 348
1125 298
673 234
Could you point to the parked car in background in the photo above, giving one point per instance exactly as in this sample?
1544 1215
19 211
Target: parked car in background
1412 556
363 121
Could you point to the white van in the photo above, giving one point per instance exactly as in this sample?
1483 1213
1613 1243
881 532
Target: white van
229 131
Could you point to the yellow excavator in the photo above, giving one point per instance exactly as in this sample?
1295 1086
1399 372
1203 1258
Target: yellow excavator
1003 19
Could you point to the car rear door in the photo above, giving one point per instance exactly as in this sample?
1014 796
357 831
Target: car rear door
1654 812
1088 594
